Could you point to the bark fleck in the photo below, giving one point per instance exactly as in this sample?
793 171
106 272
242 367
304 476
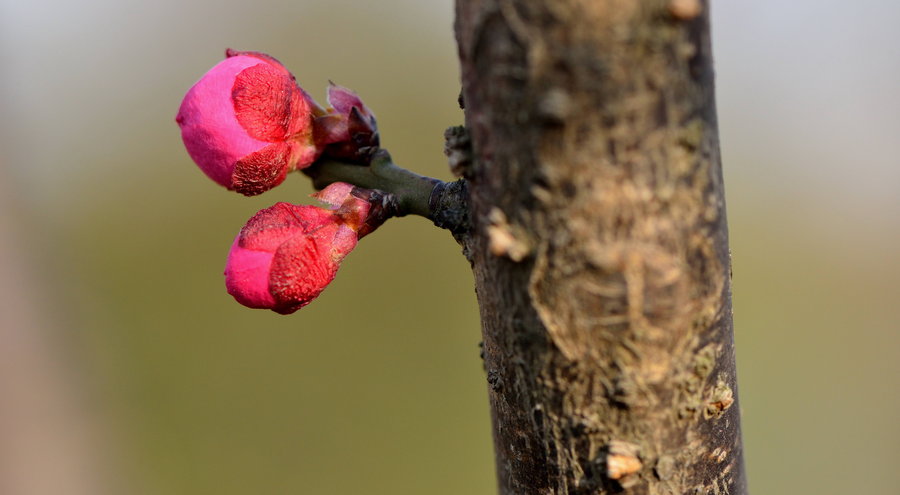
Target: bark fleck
622 462
555 106
505 239
685 10
722 399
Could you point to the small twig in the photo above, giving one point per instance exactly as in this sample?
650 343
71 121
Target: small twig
443 203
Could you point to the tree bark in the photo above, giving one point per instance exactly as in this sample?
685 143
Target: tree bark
599 246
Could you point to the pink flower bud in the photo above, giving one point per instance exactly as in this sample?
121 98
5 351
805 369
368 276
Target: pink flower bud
247 124
286 255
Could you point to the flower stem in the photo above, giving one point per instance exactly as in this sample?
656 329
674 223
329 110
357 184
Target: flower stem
443 203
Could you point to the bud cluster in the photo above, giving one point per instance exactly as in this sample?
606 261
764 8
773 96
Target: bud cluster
246 123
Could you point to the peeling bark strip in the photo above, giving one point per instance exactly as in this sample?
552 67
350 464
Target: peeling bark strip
600 246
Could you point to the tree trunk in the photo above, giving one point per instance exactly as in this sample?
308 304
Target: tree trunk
600 246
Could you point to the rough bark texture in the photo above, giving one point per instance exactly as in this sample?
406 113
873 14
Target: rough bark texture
600 246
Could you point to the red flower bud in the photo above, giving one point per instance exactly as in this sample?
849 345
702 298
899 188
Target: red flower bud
286 255
247 124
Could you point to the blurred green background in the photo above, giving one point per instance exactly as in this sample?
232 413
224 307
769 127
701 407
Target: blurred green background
112 245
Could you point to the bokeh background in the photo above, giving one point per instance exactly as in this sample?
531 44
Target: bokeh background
125 368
